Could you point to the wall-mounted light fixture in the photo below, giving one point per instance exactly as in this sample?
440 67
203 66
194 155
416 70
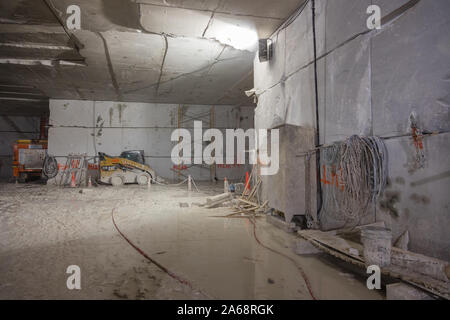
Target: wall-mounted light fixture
265 50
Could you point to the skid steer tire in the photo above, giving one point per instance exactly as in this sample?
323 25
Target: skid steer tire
143 179
117 181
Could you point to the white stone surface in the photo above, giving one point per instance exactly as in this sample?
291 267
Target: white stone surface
118 126
271 111
368 84
299 39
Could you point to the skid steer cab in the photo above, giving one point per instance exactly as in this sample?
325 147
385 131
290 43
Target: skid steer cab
129 167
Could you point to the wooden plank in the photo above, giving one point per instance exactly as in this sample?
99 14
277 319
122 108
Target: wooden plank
401 261
255 188
419 263
249 202
337 243
265 204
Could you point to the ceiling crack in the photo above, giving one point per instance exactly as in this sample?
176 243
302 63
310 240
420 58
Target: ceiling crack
207 68
110 67
211 18
216 60
162 63
215 10
209 23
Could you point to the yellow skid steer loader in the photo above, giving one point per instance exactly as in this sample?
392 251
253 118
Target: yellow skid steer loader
129 167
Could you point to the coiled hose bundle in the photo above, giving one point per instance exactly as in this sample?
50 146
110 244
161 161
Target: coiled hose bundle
50 168
359 170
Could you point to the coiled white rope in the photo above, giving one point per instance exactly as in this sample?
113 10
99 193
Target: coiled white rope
360 166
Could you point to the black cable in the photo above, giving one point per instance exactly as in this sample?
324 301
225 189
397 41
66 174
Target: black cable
50 167
292 18
319 187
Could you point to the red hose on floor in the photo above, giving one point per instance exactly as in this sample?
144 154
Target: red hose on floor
187 283
160 266
302 272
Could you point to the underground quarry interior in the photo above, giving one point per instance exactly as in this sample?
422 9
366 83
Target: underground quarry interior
225 149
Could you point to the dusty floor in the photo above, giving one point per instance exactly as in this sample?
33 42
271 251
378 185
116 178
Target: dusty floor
44 229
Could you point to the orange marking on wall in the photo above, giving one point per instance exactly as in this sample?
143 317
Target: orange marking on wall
324 179
335 181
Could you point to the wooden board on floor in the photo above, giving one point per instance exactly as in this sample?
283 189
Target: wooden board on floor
416 269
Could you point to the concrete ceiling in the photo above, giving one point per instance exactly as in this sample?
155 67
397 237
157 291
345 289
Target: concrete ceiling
173 51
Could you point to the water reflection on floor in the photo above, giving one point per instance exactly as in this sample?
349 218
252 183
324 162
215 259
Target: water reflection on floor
55 228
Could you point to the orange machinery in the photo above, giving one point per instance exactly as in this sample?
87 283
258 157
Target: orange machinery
28 158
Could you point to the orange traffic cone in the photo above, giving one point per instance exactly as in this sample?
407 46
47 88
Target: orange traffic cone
247 182
73 185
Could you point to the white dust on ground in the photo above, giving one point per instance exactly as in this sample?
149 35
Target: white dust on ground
45 229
